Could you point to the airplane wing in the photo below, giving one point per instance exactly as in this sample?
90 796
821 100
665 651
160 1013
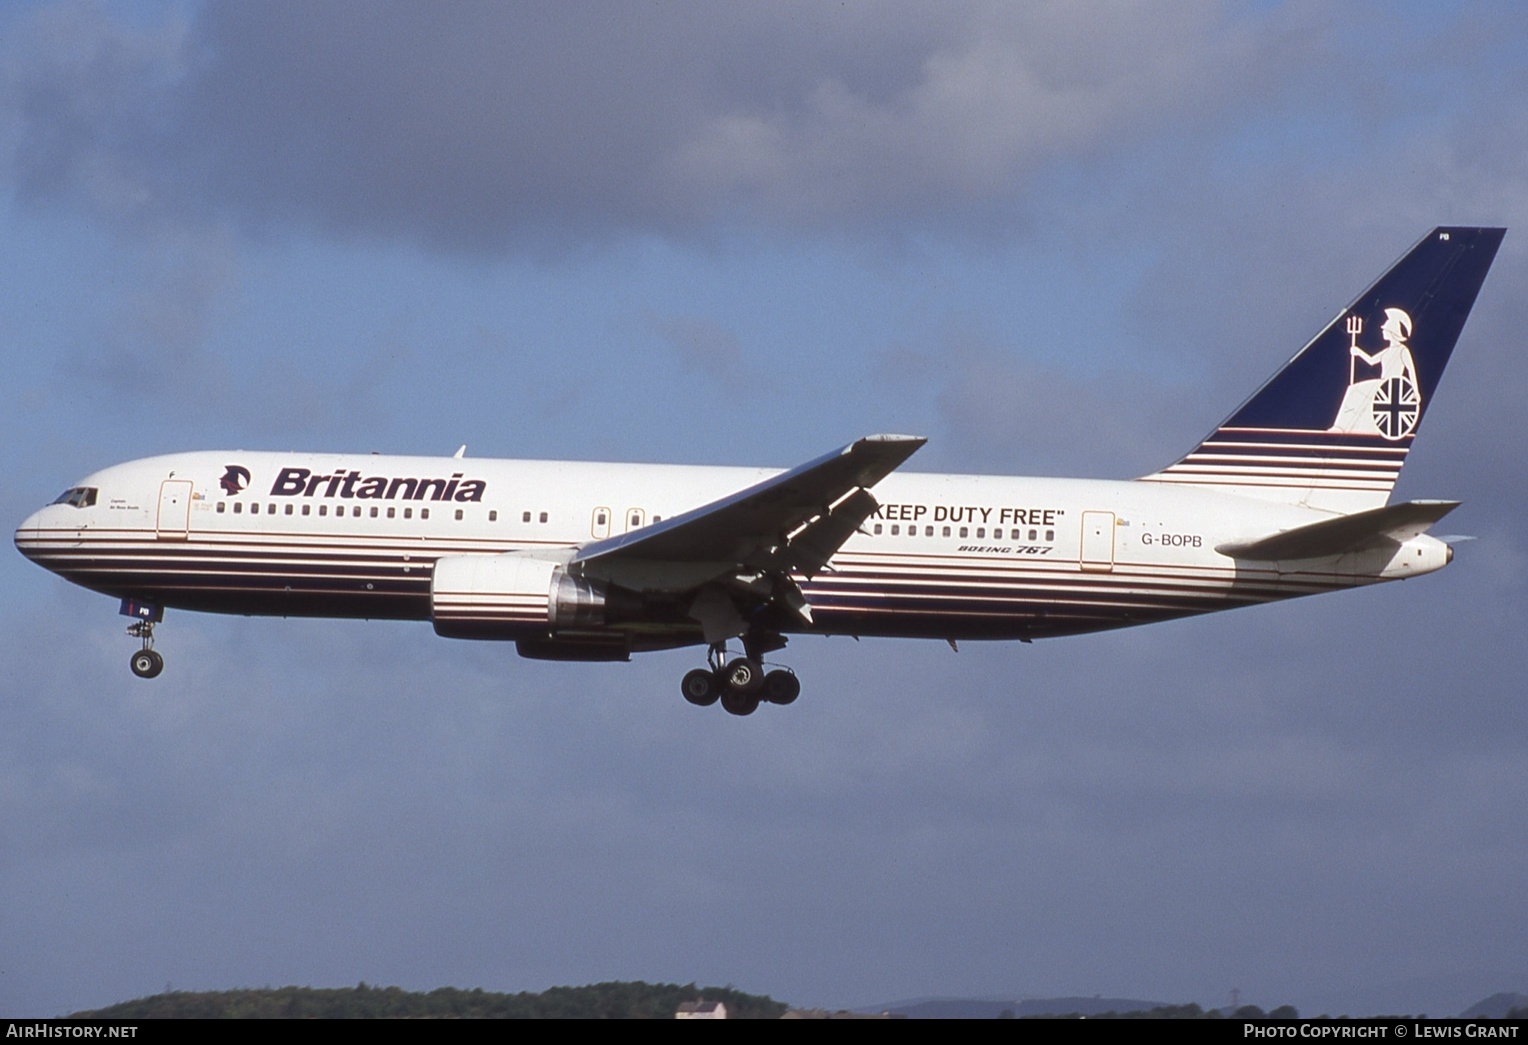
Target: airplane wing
792 522
1345 533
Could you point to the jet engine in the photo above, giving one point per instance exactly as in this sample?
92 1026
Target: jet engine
512 596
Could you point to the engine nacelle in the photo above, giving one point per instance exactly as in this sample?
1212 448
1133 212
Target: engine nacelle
511 596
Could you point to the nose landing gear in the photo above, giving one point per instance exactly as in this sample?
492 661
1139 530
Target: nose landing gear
146 663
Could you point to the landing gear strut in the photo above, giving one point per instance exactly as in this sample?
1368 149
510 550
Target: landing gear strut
741 683
146 663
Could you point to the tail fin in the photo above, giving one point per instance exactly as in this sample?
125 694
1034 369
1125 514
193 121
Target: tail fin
1332 429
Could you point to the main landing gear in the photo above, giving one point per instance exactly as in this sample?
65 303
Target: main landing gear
741 683
146 663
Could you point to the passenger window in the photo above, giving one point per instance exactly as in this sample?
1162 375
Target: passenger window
373 511
392 513
981 531
356 511
220 507
964 531
458 515
323 509
946 531
543 516
877 529
307 509
525 517
896 531
288 509
408 513
928 531
424 513
1034 535
1050 535
238 507
493 516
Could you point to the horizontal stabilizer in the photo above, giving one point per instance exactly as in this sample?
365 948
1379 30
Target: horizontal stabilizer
1346 533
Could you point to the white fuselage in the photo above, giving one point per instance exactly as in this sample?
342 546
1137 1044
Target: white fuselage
946 556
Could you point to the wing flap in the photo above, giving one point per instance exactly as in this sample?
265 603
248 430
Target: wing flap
1346 533
811 546
794 520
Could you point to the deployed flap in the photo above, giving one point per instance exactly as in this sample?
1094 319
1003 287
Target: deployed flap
815 543
794 520
1346 533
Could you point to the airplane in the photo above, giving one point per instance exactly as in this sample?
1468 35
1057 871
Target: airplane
594 562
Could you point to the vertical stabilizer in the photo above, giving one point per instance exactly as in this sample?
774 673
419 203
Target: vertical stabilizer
1333 427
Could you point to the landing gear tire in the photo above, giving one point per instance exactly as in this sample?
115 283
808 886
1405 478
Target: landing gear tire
781 687
738 703
147 664
744 675
701 687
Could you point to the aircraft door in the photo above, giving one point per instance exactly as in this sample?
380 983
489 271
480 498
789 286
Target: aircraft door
599 523
634 519
174 509
1097 541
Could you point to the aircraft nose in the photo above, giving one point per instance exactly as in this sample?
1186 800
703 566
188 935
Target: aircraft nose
26 535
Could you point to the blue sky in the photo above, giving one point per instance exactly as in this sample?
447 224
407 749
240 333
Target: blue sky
1058 239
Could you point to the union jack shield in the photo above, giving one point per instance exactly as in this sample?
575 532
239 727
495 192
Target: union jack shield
1396 406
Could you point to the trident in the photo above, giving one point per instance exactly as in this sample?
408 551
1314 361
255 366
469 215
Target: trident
1355 327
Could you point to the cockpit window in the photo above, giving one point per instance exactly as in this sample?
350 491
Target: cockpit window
79 497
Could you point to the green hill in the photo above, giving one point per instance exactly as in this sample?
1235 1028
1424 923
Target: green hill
607 1001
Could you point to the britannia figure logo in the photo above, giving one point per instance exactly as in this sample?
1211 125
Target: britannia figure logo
1387 404
234 479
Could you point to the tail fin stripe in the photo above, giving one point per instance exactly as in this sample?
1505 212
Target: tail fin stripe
1306 483
1309 436
1294 459
1275 471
